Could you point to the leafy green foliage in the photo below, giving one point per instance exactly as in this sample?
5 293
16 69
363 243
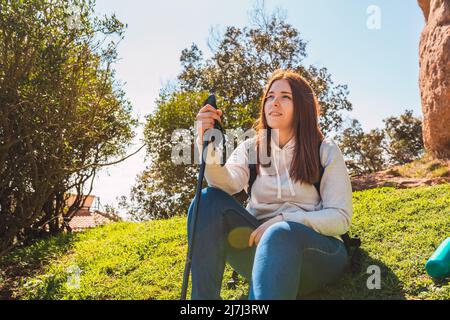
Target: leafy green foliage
400 142
364 150
405 138
166 188
63 115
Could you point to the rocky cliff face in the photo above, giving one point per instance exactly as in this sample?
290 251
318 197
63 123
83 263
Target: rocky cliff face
435 77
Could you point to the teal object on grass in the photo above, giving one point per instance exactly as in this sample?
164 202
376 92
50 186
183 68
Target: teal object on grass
438 266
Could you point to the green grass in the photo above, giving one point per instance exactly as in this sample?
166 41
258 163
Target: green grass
425 167
400 229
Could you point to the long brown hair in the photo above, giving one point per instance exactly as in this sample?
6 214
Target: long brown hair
308 135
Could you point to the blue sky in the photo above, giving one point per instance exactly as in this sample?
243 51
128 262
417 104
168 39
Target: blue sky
380 66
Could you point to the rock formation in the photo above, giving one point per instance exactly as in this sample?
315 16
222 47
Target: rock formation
435 77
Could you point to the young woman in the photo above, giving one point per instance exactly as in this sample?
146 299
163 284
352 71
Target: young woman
286 242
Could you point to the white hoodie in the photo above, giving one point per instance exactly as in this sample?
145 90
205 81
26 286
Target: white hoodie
274 192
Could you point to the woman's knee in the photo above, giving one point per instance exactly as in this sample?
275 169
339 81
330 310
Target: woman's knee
210 197
286 233
211 194
278 233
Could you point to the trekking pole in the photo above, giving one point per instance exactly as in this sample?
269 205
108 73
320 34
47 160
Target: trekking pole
187 268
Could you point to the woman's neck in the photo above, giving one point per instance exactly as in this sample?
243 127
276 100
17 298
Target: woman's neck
284 137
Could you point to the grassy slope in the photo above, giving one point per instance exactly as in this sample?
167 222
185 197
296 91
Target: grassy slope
425 167
400 229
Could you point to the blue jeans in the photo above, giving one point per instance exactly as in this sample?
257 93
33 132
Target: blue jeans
290 260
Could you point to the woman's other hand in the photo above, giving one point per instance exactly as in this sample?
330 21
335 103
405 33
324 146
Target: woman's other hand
258 233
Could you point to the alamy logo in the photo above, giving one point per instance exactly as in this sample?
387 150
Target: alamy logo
74 277
182 139
374 281
374 20
74 19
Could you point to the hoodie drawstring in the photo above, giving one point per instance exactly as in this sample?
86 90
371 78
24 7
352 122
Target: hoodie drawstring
291 186
278 176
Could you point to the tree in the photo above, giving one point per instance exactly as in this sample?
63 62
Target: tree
63 115
364 151
404 135
165 188
242 60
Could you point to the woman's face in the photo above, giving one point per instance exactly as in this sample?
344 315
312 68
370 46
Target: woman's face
279 106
